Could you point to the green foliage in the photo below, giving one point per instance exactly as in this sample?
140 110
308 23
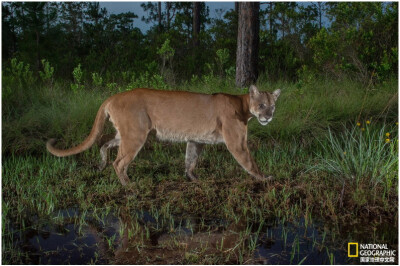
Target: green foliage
337 49
223 31
16 77
324 45
75 88
348 40
112 86
77 74
222 60
146 80
382 70
166 51
19 73
97 79
47 74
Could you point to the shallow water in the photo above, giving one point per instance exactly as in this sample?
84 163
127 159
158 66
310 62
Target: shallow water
305 244
139 238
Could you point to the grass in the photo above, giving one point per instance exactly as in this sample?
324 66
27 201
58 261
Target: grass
325 167
361 154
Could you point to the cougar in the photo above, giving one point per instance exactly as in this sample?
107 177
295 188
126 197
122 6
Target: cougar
195 118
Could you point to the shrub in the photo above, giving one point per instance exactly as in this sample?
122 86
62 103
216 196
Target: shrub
77 73
17 76
222 58
97 79
47 74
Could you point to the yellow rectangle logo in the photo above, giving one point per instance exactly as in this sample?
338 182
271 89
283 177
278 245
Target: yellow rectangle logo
352 250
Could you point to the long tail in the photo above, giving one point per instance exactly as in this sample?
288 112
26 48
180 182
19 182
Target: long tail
88 142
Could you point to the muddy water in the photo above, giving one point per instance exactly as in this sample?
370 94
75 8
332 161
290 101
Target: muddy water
140 238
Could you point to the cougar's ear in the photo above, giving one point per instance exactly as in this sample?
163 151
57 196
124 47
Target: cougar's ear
276 93
253 91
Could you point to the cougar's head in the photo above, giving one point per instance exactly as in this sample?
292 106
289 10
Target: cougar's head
262 104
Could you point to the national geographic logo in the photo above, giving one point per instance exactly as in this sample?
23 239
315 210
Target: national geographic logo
352 250
371 252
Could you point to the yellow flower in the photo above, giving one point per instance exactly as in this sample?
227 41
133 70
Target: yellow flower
387 140
368 122
397 123
362 129
358 124
344 153
387 134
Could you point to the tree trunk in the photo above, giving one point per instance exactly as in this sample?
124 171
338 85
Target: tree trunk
168 6
320 14
270 18
247 44
159 17
237 18
37 51
196 23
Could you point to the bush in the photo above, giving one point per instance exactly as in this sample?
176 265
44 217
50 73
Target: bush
78 74
47 74
97 79
17 76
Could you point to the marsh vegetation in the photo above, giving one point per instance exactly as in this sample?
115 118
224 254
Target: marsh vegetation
332 148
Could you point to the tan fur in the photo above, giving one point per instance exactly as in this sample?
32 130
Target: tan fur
178 116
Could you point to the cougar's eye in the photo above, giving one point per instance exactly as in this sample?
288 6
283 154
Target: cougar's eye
261 106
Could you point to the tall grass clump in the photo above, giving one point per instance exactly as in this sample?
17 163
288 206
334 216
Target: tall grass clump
360 154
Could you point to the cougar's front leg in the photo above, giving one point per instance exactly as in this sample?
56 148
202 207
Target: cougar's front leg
193 150
236 142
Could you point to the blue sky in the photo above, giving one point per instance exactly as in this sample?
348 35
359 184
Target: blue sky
121 7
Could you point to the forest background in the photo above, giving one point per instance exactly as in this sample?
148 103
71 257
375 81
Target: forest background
296 39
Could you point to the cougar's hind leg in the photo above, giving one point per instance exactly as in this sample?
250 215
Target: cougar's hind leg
193 150
104 151
128 149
